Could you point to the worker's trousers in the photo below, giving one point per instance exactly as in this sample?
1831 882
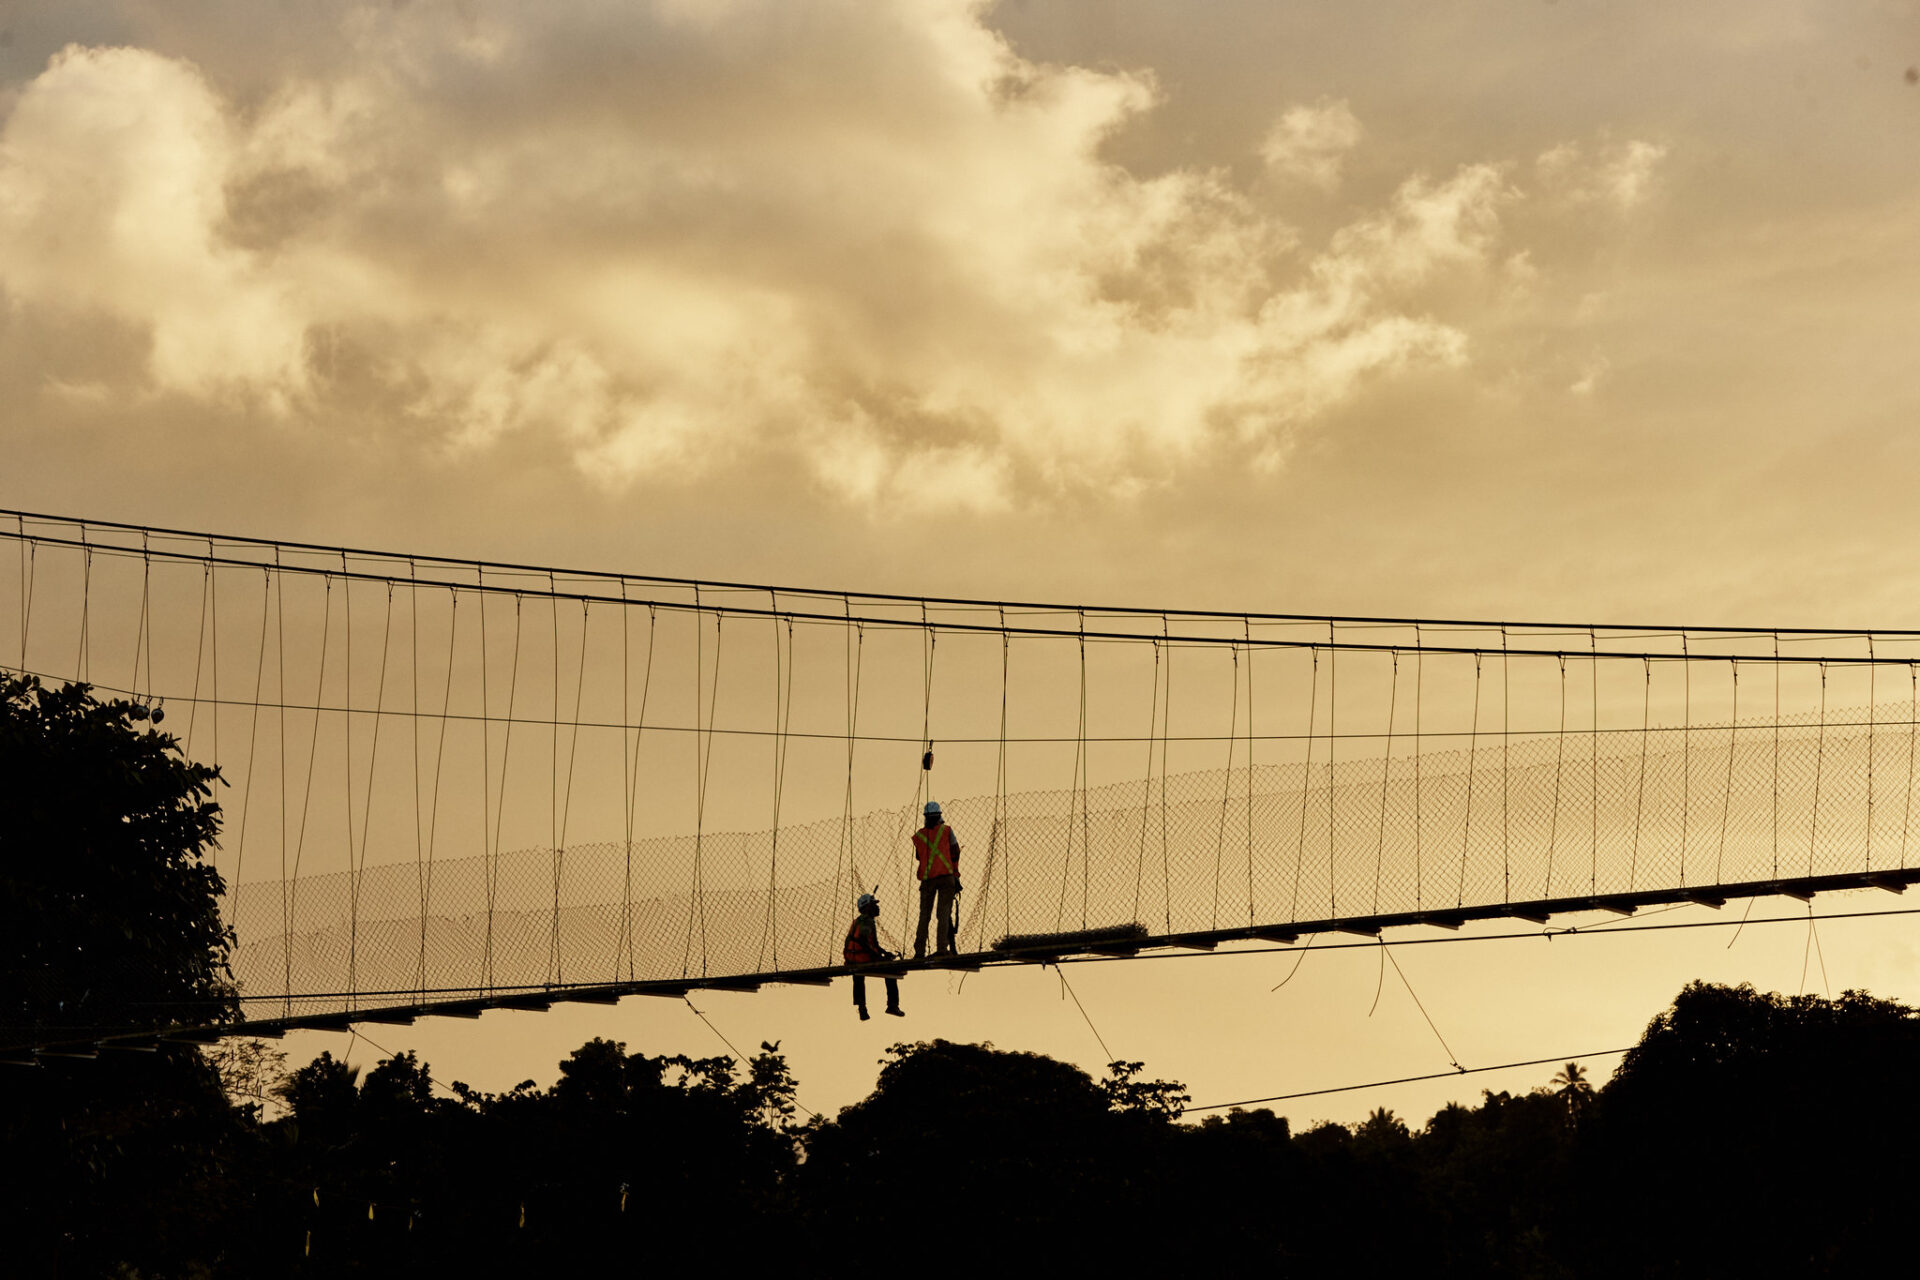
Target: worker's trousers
936 893
860 992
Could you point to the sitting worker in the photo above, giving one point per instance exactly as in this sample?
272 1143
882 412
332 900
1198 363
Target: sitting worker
863 947
937 853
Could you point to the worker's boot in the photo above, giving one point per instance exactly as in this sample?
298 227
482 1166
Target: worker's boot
896 1011
864 1015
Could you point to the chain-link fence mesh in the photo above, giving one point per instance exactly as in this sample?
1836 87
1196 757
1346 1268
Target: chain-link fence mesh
1553 816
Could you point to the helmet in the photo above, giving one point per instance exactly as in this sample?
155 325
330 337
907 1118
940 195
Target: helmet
867 900
933 809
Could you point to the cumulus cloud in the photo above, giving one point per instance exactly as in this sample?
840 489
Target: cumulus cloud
870 237
1309 143
1620 176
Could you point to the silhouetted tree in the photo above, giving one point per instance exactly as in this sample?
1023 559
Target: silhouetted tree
1736 1136
109 914
109 922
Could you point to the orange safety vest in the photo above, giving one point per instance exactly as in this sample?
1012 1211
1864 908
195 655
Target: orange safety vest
863 941
934 847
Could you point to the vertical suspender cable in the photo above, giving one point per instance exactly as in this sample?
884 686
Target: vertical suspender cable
1166 738
486 778
782 723
506 765
439 759
1913 728
1306 779
1473 756
313 752
253 733
1419 690
1146 796
1819 764
1086 768
1593 849
1726 806
1686 753
553 781
80 661
1075 793
140 626
1386 773
1776 755
633 778
705 766
199 652
1506 738
280 700
419 817
1559 761
366 809
26 587
1873 684
566 794
346 776
1001 833
1226 785
1640 789
1247 629
1333 717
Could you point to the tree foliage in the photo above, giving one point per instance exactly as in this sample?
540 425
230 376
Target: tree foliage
109 911
1733 1140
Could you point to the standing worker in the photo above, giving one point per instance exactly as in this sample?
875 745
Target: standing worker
863 947
937 851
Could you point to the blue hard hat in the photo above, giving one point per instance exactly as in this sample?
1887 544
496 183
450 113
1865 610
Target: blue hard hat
867 900
933 808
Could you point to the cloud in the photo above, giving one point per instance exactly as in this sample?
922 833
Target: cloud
1620 177
1309 144
871 237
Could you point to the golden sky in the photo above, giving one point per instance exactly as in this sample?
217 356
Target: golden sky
1548 310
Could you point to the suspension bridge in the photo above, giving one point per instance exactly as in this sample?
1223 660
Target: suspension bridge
455 785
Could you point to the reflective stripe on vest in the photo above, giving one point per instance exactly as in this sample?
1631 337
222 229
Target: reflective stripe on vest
862 945
934 848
